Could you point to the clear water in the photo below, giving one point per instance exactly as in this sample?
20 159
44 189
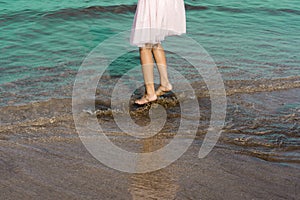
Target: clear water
258 38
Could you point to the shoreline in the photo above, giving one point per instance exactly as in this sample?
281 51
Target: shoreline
233 87
41 156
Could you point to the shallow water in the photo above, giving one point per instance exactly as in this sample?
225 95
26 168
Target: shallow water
44 43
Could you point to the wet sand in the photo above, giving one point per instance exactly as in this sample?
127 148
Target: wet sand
42 157
64 170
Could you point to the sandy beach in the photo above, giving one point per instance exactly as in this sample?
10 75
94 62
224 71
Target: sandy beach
42 157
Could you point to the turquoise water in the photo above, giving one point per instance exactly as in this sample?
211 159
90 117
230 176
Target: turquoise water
44 42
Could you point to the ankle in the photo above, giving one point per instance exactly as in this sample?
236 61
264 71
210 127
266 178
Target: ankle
166 86
151 96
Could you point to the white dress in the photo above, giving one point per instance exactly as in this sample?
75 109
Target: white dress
156 19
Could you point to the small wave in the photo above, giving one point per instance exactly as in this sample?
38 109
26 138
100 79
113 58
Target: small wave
233 87
94 11
273 157
287 10
116 9
32 111
191 7
119 9
270 11
261 85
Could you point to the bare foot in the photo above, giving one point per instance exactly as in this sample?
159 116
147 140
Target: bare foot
163 89
146 99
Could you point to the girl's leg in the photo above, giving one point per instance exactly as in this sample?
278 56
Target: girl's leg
147 69
161 62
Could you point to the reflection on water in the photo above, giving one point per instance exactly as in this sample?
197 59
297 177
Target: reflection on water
161 184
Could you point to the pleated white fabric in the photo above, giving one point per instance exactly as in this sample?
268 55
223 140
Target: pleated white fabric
156 19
